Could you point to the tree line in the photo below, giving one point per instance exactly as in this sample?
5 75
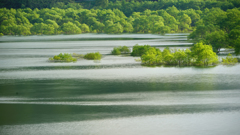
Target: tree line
126 6
218 26
71 19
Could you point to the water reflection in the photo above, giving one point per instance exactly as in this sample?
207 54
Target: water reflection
113 95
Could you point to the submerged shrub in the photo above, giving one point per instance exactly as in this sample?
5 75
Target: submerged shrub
229 60
116 51
198 55
140 50
152 57
63 58
78 56
120 50
93 56
204 54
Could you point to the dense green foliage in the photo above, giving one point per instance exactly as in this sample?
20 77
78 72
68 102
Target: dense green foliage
93 56
213 22
63 58
199 55
123 17
130 6
32 3
120 50
139 50
219 29
229 60
74 21
127 6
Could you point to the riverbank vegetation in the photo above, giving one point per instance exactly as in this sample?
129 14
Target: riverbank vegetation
62 17
218 28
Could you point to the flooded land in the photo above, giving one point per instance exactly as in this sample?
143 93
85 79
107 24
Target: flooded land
116 95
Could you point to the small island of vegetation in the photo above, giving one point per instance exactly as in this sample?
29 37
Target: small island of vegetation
66 57
93 56
197 55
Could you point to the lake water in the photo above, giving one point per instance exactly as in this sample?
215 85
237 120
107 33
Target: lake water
115 95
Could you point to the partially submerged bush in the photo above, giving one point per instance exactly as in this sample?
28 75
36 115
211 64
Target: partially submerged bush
120 50
116 51
63 58
78 56
140 50
93 56
198 55
229 60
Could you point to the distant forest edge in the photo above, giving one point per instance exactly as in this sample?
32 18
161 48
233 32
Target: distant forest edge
212 22
126 6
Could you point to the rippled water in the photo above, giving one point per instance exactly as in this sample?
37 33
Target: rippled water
114 96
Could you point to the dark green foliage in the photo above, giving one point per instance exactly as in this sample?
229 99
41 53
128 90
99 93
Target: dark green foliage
140 50
93 56
120 50
31 3
218 28
63 58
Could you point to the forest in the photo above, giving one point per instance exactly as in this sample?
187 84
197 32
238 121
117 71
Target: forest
213 22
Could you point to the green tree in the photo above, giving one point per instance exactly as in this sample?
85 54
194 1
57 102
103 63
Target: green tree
173 11
204 54
167 56
217 39
180 56
70 28
149 57
139 50
185 22
102 3
53 24
85 28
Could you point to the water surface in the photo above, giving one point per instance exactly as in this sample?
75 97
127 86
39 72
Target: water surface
116 95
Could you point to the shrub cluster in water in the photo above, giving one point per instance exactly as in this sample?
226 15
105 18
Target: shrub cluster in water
229 60
139 50
73 57
199 54
63 57
93 56
120 50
